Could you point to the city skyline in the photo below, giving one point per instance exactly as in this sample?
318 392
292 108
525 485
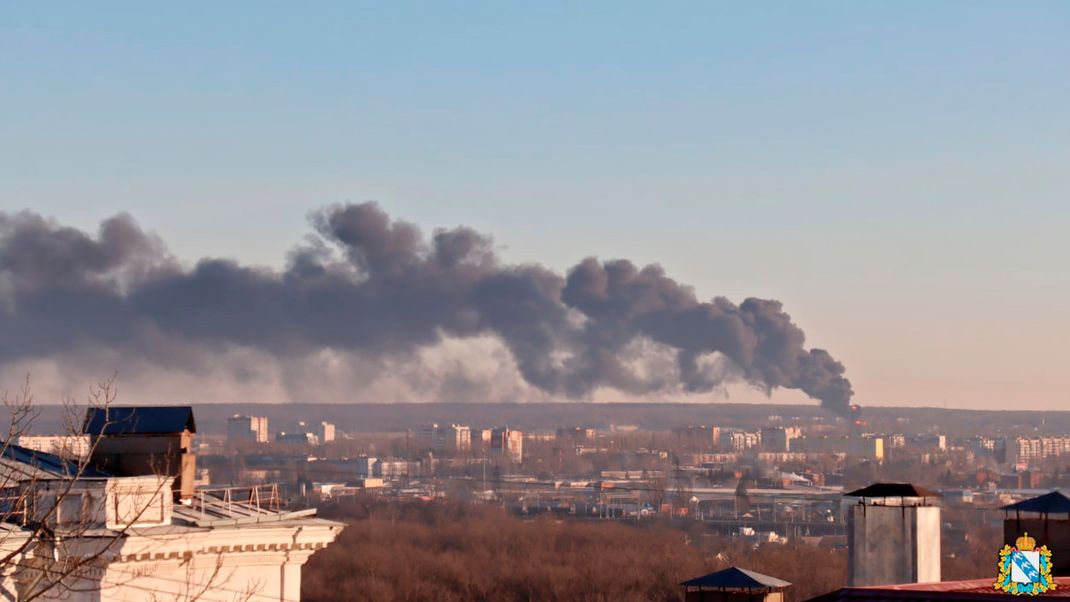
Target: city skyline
903 197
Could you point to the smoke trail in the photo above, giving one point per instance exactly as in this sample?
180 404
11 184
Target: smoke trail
367 284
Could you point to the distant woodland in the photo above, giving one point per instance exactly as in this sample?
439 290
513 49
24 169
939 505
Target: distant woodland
456 552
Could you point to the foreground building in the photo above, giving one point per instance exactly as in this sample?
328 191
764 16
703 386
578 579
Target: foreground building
893 535
77 532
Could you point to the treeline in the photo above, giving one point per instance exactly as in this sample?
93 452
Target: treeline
460 552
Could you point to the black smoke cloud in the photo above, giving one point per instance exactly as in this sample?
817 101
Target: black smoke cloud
366 283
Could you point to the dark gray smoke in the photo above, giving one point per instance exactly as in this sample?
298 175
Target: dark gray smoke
366 283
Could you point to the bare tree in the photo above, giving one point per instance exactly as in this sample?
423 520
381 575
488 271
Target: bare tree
53 541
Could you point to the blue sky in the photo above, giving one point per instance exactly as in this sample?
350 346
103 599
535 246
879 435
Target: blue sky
895 172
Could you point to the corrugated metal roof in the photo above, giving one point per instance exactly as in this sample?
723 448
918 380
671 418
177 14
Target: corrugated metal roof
892 490
1049 503
736 578
49 463
139 420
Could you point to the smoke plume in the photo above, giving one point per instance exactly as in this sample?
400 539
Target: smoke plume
367 297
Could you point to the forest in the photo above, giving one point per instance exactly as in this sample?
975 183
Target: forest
454 552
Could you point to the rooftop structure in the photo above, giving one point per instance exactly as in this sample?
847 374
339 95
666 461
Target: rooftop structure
139 420
1049 503
734 583
127 539
889 492
144 440
1046 518
893 535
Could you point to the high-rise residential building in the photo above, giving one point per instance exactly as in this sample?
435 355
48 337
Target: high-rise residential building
701 437
739 440
1022 451
444 437
778 438
508 442
326 432
247 428
577 433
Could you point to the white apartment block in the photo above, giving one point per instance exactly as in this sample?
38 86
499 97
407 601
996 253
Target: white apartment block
1023 450
66 446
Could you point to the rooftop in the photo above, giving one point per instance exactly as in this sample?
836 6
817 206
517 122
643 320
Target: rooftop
139 420
735 578
892 490
1049 503
45 465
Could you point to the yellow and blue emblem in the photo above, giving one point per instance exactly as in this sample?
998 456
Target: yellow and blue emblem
1025 569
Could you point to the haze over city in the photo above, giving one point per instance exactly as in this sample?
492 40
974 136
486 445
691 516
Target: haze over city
534 301
897 183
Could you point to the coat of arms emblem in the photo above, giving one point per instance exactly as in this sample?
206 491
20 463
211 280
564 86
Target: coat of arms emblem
1025 568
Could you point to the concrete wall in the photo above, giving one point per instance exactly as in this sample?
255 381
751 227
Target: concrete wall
893 544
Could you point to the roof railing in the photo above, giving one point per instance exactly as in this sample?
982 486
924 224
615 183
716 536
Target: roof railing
238 499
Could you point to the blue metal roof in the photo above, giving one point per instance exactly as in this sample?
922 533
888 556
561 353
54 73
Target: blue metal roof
139 420
49 462
1049 503
736 578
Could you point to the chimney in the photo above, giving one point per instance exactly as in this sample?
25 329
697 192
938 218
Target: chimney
893 535
144 440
